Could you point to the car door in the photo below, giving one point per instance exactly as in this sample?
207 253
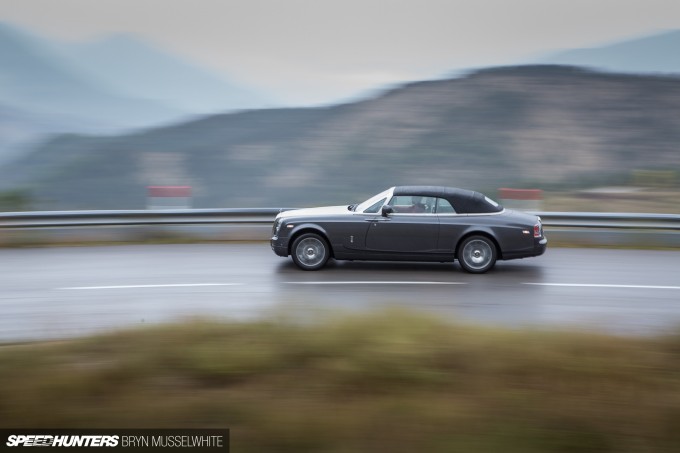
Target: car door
413 227
452 226
356 227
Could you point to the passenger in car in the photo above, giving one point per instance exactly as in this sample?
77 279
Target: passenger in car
418 205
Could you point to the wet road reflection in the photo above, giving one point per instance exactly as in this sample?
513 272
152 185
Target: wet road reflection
57 292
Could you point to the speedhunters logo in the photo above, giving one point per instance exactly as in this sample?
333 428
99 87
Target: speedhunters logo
143 439
36 440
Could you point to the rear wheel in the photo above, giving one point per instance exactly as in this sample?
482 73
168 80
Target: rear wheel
477 254
310 252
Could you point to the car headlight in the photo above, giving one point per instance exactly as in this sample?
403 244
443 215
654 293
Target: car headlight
277 226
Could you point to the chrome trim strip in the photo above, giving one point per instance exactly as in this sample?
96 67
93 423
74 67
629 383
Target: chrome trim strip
412 214
473 215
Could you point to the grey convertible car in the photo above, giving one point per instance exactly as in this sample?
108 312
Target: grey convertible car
410 223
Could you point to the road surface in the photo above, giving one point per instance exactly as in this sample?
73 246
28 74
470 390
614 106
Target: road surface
68 291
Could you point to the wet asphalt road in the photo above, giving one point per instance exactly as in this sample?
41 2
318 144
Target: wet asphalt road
68 291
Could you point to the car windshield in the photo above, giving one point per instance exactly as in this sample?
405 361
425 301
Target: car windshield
373 200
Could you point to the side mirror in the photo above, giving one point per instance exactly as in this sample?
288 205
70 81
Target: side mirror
387 210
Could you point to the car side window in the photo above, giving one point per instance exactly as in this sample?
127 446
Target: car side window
375 208
444 207
413 204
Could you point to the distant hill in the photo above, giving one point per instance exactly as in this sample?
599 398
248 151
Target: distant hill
35 79
532 126
19 129
134 67
659 53
108 86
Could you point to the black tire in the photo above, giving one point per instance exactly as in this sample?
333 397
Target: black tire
477 254
310 252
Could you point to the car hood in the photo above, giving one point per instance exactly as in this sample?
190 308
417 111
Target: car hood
327 210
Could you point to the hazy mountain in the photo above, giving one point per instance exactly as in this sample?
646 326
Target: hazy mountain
35 79
138 69
659 53
533 126
114 84
20 129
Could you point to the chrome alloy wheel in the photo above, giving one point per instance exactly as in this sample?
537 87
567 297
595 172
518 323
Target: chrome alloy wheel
477 254
310 251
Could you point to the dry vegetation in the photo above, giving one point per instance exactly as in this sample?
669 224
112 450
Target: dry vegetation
385 382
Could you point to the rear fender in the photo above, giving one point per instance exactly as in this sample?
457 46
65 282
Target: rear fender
481 230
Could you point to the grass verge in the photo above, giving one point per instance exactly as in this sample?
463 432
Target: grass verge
390 381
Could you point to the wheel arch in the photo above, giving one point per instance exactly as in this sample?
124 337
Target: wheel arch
309 228
485 233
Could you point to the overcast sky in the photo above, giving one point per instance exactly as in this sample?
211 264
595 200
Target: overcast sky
306 51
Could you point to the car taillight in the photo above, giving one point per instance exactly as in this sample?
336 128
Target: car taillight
537 230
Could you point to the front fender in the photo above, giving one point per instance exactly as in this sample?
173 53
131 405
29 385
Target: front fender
307 228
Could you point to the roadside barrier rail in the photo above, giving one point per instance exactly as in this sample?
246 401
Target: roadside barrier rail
52 219
619 221
261 216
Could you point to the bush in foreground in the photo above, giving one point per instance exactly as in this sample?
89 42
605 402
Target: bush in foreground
390 381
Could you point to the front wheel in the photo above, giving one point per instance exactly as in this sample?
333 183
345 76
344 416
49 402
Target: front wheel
477 254
310 252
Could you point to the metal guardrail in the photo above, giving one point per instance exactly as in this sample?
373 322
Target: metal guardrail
603 220
52 219
260 216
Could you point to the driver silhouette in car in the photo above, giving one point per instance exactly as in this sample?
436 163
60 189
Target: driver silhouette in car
418 205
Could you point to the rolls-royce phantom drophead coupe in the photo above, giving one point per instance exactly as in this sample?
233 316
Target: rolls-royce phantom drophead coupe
410 223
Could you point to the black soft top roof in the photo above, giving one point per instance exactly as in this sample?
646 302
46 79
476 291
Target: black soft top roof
463 201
